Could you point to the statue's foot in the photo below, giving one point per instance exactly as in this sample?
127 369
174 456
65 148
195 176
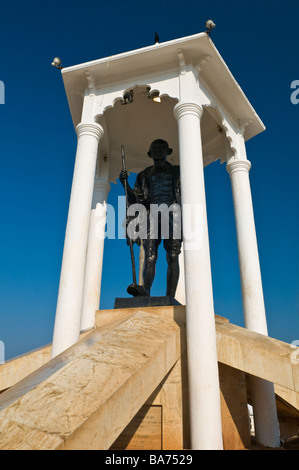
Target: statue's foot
137 291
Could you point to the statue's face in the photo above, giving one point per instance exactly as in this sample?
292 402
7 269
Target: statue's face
159 150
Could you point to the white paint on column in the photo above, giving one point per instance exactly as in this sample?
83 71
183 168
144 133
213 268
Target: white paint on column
204 394
69 304
252 290
180 294
264 404
95 253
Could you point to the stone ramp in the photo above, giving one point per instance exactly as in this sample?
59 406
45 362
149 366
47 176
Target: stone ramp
258 355
237 347
86 396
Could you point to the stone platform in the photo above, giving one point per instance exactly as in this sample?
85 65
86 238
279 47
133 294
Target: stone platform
134 302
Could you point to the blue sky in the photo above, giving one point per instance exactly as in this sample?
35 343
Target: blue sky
259 42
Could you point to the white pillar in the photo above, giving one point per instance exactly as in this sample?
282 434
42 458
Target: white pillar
204 395
264 405
69 304
95 252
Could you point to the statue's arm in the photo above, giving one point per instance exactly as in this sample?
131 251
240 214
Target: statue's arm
140 189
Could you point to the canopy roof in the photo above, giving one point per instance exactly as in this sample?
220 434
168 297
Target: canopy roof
163 57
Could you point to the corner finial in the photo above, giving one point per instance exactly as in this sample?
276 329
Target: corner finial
57 63
210 25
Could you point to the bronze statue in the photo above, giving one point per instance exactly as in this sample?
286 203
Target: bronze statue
158 185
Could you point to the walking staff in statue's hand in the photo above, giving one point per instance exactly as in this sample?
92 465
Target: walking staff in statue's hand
159 185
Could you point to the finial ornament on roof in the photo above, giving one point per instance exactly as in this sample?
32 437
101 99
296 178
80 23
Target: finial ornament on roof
57 63
210 25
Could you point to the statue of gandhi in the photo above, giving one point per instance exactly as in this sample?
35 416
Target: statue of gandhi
158 185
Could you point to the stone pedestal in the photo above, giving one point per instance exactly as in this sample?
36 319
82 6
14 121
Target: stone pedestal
132 302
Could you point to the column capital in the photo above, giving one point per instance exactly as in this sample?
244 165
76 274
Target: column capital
90 128
238 165
183 108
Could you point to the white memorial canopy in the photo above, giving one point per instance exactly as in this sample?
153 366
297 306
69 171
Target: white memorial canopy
204 115
95 91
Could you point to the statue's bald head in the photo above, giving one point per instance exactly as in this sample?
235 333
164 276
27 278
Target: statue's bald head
159 148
